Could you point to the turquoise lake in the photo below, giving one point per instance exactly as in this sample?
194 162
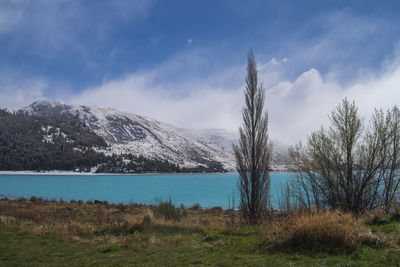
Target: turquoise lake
208 190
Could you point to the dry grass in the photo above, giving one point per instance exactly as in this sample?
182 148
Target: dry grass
86 222
5 220
109 235
124 225
330 231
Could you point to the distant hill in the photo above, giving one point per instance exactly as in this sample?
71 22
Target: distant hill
111 136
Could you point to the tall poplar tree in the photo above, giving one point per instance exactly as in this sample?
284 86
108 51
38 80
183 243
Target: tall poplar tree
253 152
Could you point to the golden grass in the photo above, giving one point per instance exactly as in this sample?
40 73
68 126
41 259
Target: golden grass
329 231
99 222
124 225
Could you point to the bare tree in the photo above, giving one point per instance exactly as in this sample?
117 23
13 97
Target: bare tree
389 172
253 152
351 166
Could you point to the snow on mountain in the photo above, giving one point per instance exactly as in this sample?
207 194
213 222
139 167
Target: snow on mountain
139 135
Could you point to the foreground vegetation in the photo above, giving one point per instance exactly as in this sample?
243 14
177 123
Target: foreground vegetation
36 232
352 165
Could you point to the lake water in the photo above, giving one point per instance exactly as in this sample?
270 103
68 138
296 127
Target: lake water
208 190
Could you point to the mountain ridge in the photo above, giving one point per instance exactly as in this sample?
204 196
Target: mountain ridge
143 136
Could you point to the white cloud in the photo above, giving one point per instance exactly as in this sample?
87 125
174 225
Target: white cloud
190 89
174 92
50 26
17 92
295 107
205 106
9 17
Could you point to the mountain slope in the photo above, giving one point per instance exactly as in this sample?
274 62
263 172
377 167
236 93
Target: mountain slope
128 133
62 143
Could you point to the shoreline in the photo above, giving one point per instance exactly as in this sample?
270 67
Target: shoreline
55 172
102 173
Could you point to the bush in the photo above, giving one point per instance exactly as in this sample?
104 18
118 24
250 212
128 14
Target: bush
211 237
121 207
195 206
378 220
34 199
126 228
146 221
167 211
217 209
21 199
395 216
381 218
331 232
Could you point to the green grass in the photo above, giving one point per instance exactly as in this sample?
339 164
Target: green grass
390 228
387 224
106 236
183 248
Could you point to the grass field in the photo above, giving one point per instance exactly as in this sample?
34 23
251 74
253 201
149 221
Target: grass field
48 233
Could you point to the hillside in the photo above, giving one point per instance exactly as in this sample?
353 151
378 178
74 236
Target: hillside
118 136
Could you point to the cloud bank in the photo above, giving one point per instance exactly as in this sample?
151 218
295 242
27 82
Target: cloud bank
17 91
54 27
330 57
295 106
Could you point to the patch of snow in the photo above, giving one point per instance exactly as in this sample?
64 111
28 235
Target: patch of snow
139 135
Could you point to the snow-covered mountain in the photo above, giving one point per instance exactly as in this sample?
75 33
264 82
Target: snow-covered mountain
139 135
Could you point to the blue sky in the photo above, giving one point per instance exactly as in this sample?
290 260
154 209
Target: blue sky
183 62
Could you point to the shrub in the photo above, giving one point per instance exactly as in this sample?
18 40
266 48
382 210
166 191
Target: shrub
4 220
167 211
126 228
146 220
331 232
21 199
395 216
121 207
377 220
217 209
109 248
34 199
211 237
381 218
195 206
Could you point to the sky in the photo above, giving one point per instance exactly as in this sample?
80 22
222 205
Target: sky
184 61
